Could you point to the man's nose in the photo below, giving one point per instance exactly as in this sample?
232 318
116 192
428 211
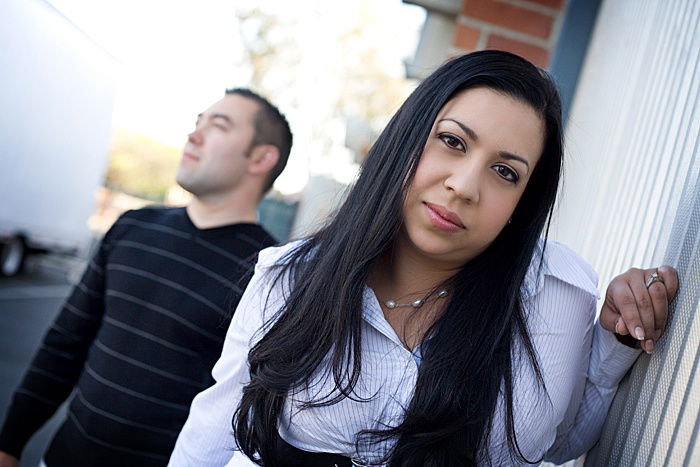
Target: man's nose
465 180
195 137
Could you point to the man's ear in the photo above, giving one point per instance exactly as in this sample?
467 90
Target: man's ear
262 159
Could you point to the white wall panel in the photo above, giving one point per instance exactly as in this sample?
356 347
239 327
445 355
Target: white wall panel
631 197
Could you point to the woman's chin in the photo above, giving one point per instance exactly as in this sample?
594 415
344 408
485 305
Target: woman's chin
443 251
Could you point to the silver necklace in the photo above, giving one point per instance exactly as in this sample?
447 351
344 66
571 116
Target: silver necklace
391 304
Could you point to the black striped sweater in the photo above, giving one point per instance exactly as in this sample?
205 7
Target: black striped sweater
136 340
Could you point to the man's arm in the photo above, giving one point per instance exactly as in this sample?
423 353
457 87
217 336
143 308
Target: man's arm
59 360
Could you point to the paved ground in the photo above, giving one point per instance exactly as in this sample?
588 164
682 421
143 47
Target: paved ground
28 305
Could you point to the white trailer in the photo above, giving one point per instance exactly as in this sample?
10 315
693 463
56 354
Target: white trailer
57 89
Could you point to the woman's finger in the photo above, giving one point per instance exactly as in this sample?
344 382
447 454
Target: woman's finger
645 307
659 298
670 279
610 320
626 303
609 314
620 327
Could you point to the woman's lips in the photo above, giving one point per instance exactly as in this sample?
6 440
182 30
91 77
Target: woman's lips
443 218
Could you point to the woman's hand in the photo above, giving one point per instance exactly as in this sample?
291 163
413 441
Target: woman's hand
635 312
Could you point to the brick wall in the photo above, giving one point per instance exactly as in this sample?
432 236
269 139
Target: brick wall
529 28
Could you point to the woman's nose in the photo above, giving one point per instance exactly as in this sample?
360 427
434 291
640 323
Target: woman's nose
465 181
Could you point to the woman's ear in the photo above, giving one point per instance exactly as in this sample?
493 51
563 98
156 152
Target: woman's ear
262 159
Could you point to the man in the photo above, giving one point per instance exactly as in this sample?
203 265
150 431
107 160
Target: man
137 338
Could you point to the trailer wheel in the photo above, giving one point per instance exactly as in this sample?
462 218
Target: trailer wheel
12 256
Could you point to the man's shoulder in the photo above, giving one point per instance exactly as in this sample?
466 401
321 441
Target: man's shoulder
149 218
254 234
153 213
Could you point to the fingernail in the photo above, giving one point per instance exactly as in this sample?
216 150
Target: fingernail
649 344
639 332
617 326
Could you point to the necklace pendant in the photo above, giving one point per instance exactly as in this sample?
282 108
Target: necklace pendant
391 304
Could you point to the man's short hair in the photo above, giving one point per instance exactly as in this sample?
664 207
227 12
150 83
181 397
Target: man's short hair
271 127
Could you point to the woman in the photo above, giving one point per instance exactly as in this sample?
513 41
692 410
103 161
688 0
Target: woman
428 323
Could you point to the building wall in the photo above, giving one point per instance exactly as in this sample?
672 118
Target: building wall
631 197
529 28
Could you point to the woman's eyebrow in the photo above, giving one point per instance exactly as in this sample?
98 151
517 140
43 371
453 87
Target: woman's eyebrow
464 128
513 157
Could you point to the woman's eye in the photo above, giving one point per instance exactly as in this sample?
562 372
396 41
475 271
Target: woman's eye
507 173
451 141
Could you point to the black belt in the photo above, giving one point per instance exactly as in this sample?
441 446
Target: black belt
290 456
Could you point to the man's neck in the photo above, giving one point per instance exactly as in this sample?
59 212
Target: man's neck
209 213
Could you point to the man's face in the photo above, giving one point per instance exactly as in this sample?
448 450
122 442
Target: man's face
215 157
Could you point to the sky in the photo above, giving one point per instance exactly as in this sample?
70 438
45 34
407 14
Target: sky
176 57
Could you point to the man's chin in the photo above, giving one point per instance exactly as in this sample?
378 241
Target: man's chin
186 185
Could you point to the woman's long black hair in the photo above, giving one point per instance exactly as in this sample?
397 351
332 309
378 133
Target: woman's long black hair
470 359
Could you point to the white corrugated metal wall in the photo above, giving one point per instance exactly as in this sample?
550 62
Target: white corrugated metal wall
631 197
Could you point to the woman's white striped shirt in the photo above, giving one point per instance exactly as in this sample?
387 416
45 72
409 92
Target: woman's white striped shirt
581 364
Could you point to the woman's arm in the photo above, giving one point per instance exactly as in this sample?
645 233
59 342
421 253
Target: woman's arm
581 364
580 429
630 307
561 317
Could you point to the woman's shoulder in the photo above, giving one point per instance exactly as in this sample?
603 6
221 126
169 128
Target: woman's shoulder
566 265
561 263
276 255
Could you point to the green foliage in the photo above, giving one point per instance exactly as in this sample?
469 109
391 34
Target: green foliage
140 166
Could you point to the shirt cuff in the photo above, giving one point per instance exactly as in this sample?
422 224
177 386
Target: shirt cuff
610 359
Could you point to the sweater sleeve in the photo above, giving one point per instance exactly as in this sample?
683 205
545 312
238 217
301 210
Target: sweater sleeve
59 360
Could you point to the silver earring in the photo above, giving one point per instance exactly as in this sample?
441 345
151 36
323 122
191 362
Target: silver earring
510 220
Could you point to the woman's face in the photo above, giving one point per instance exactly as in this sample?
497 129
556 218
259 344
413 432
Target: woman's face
477 161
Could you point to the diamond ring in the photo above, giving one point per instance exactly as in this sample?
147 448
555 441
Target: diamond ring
653 277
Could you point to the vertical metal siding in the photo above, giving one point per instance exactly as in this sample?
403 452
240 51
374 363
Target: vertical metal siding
631 196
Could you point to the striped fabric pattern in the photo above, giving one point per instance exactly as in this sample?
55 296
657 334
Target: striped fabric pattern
136 340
